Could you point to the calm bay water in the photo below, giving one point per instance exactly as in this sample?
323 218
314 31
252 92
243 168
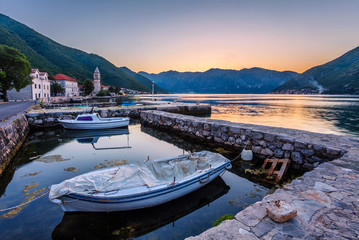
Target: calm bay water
52 156
336 114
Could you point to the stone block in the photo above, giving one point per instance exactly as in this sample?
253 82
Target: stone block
288 147
235 130
307 152
278 153
297 157
257 135
269 137
307 209
256 149
224 136
231 140
224 129
324 187
262 228
206 133
248 132
262 143
300 145
207 127
280 212
333 152
267 152
285 139
217 139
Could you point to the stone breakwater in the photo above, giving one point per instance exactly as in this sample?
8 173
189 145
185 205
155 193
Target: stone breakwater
48 117
12 134
326 198
265 142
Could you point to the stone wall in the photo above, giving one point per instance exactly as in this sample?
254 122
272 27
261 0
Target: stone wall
265 142
12 134
45 118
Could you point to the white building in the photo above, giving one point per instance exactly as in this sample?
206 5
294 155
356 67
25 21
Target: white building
40 88
68 83
96 81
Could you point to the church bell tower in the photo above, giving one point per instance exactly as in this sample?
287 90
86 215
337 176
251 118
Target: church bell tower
97 80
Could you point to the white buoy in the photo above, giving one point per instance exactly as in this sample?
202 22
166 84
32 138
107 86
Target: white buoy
246 155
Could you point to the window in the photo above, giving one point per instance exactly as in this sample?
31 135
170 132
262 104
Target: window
35 87
87 118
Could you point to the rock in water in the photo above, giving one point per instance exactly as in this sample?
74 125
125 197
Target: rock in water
280 211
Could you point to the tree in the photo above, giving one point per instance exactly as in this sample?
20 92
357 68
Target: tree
56 88
17 70
102 93
88 87
112 89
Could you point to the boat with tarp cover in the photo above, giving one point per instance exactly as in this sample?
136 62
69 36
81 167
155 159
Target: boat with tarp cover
141 185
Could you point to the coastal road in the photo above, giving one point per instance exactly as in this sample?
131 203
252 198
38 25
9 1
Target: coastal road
9 109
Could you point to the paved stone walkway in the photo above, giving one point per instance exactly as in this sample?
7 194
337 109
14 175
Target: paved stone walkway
326 198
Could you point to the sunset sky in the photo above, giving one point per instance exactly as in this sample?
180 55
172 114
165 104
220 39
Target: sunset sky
193 35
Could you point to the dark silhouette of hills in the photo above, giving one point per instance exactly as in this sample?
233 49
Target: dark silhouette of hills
253 80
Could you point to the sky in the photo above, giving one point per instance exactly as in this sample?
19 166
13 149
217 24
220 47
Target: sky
196 35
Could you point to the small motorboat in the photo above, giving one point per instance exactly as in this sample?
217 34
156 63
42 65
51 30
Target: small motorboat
141 185
135 223
94 121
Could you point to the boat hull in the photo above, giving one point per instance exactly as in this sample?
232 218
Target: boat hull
95 125
76 203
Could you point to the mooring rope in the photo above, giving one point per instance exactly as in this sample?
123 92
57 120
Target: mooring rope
22 204
43 126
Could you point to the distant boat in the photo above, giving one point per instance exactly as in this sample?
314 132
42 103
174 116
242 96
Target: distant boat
136 186
94 121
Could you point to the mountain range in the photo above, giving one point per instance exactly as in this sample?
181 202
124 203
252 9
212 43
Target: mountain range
52 57
253 80
339 76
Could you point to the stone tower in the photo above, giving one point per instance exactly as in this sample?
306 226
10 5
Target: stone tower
97 81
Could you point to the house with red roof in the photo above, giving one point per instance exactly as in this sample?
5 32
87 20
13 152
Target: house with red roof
68 83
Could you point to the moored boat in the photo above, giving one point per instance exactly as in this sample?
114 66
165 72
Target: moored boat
141 185
94 121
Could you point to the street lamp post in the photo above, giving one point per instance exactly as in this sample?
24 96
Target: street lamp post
153 90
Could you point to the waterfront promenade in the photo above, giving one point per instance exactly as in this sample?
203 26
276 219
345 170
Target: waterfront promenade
8 109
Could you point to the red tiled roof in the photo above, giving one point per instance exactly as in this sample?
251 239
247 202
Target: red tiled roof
43 73
34 70
63 77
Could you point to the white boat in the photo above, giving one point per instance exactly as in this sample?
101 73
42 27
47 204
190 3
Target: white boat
141 185
94 121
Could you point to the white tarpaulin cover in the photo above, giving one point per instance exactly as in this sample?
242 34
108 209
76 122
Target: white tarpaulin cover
150 173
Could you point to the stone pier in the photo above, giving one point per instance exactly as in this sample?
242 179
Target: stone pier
326 198
305 149
13 132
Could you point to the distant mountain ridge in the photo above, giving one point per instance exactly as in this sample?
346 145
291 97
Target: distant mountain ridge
253 80
339 76
52 57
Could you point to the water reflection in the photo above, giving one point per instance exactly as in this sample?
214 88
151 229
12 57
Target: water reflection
335 114
131 224
93 136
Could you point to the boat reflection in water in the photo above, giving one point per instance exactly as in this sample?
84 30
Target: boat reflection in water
92 136
135 223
